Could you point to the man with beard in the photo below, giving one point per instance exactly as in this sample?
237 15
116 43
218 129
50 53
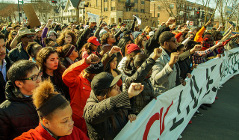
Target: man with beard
166 71
4 66
24 36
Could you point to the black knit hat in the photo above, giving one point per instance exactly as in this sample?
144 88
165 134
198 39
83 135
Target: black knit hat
103 80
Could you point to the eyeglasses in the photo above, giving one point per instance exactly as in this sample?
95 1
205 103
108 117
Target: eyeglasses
34 77
14 34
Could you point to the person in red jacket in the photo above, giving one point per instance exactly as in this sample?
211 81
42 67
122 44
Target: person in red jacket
55 115
78 78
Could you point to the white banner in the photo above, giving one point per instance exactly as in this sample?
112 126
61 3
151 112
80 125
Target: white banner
166 117
93 17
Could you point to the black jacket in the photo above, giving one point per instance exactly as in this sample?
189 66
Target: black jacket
140 101
152 43
18 53
2 81
17 114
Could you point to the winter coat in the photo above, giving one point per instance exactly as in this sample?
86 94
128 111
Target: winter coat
17 114
18 53
3 82
106 118
39 133
152 43
140 101
163 76
83 39
79 90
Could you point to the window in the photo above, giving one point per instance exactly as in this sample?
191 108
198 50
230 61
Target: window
96 3
171 6
135 1
112 8
106 9
127 9
158 14
158 7
142 2
142 10
105 0
135 10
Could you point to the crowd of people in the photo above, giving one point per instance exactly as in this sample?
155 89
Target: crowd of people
87 81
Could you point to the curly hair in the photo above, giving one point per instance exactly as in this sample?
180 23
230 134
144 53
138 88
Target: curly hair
42 94
60 40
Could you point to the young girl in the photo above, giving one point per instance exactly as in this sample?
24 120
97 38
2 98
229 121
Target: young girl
55 114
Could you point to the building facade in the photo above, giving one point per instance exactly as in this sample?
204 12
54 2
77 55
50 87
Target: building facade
118 11
182 10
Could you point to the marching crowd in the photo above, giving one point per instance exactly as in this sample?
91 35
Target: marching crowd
64 82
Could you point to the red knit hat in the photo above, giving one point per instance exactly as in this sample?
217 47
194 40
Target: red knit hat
132 47
94 41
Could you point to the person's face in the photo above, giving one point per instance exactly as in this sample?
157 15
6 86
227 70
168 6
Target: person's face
114 91
2 49
75 53
172 45
61 123
38 34
94 47
27 38
52 36
68 39
52 62
92 24
27 86
111 39
113 63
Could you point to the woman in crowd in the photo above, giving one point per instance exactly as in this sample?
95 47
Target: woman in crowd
90 47
132 51
11 36
107 41
32 49
106 110
48 60
55 114
140 40
78 77
140 72
66 37
68 54
109 61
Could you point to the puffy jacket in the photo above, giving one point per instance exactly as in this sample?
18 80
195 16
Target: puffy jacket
17 114
79 90
140 76
39 133
106 118
18 53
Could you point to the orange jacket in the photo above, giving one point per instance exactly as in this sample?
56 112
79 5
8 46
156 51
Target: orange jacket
39 133
79 90
198 36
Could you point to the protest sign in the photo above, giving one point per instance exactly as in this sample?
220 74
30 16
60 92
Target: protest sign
31 15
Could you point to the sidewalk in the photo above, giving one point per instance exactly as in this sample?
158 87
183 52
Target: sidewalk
221 121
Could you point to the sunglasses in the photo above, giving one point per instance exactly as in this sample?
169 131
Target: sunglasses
34 77
14 34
